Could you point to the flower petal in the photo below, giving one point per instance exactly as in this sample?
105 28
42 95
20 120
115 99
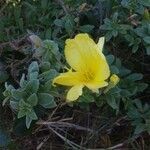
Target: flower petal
74 93
114 79
80 51
100 43
68 79
102 72
83 54
95 85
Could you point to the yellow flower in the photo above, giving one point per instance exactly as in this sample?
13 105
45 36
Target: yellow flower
89 64
114 79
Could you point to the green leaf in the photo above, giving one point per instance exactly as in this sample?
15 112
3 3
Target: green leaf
133 113
141 87
86 28
23 104
139 128
34 67
28 121
32 86
114 33
45 66
123 71
112 102
59 23
33 115
18 94
24 108
48 75
33 76
114 92
49 52
144 2
86 98
5 100
46 100
23 82
46 87
108 36
110 59
14 105
135 77
33 100
135 48
114 69
147 39
7 92
125 93
21 113
69 24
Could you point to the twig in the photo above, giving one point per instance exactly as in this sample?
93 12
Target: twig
49 118
13 43
42 143
70 143
65 125
116 147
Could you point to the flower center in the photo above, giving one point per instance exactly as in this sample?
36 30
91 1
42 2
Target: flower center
88 76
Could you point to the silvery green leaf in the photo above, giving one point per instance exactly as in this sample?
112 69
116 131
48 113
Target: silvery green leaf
32 100
46 100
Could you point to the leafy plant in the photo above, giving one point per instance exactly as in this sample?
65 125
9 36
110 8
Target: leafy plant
144 33
139 114
127 88
32 91
124 23
113 27
133 28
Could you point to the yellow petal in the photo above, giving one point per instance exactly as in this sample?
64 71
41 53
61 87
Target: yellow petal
68 79
114 79
80 51
74 93
83 54
100 43
95 85
103 72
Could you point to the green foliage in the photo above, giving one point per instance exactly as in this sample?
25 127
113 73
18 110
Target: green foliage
144 33
135 5
113 27
49 53
132 28
140 115
125 25
24 99
129 86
